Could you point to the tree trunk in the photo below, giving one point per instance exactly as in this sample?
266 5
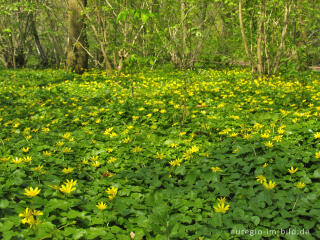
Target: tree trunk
259 48
44 59
184 32
282 39
244 38
77 56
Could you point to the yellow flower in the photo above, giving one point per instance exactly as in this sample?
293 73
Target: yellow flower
159 155
70 182
317 135
46 153
32 192
176 162
60 143
261 179
4 159
85 162
28 215
268 144
37 213
27 159
37 168
101 206
300 185
113 134
277 138
137 149
318 154
66 135
292 170
67 170
108 131
112 159
126 140
216 169
236 150
265 165
94 158
265 135
96 164
247 136
173 145
194 149
67 188
112 192
67 150
109 150
221 207
269 185
25 149
17 160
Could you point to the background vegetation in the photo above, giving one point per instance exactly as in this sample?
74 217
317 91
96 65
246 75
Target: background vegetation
265 34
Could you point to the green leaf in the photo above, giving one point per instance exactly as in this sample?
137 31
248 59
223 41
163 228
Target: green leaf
4 203
144 17
316 173
79 233
255 220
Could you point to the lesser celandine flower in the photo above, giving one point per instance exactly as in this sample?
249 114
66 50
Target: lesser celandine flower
317 135
27 159
269 185
137 149
47 153
37 168
32 192
261 179
71 182
159 155
112 159
101 206
292 170
318 154
112 192
300 185
25 149
96 164
268 144
17 160
67 170
29 216
216 169
68 187
221 206
176 162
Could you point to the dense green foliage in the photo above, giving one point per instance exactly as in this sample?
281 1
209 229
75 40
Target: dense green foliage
170 143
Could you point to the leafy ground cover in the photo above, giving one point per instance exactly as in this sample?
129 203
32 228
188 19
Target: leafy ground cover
157 155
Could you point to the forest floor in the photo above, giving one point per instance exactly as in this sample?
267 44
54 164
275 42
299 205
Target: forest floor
159 155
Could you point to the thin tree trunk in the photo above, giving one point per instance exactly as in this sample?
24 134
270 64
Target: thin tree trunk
259 40
77 57
282 40
244 38
44 59
184 32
